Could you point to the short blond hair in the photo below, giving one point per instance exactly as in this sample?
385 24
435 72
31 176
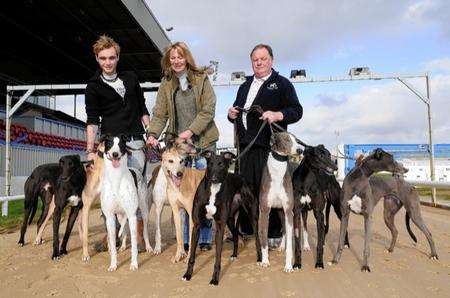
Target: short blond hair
105 42
184 51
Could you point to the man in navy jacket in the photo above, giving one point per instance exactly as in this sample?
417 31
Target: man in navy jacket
277 97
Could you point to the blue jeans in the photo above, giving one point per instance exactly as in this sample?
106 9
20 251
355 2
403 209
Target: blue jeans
206 227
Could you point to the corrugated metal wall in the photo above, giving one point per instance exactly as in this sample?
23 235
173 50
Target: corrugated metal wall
26 158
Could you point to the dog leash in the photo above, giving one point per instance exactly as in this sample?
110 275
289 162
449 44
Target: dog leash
257 108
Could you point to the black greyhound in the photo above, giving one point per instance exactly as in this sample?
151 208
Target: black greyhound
68 189
41 183
219 196
314 188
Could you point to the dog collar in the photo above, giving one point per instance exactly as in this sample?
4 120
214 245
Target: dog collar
279 157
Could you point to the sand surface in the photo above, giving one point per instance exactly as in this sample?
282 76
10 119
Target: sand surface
407 272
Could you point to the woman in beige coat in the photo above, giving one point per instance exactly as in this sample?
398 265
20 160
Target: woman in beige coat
185 100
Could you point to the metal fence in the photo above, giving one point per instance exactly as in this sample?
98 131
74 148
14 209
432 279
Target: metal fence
26 158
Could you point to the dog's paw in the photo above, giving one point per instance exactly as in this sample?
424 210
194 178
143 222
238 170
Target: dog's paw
214 282
149 249
178 257
434 257
319 265
55 257
38 241
390 250
133 267
63 252
21 243
297 266
112 268
306 248
365 268
186 277
333 262
85 258
288 269
264 264
233 257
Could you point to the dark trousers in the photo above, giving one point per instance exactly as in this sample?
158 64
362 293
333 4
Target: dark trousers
251 168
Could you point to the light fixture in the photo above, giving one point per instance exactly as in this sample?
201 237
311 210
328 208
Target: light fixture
238 76
357 71
296 73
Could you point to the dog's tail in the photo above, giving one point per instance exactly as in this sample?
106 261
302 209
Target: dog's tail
31 201
327 216
408 227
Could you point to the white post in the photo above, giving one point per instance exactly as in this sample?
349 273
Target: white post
341 163
430 142
7 155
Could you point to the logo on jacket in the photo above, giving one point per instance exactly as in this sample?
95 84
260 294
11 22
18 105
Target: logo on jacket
272 86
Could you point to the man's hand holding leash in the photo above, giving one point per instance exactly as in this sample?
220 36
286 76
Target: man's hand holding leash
272 117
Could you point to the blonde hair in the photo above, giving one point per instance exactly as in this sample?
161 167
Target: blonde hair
184 51
105 42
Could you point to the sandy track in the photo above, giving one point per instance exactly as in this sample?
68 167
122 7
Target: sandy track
29 271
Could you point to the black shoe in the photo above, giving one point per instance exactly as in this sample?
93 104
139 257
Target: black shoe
186 247
205 246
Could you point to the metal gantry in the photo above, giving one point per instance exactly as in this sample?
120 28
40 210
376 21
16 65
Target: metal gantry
29 89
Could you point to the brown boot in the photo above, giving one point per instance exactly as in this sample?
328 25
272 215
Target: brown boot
140 233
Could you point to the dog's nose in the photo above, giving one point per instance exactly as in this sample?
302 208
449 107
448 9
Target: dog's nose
179 174
115 154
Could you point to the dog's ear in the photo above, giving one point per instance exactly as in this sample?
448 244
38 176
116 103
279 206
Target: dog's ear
124 138
102 138
359 160
169 139
378 153
228 155
272 140
207 154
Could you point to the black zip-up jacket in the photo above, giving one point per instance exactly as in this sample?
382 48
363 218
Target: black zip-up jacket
118 116
276 94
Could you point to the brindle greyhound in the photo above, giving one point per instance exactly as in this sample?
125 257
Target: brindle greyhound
357 196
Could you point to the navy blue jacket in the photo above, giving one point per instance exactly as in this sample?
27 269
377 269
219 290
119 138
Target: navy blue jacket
277 94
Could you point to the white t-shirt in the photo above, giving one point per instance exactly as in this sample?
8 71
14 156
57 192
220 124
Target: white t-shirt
115 82
252 92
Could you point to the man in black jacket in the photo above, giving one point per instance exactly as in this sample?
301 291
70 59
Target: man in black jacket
277 97
115 102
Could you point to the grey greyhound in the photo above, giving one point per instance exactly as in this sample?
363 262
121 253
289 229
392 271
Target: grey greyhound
397 193
357 196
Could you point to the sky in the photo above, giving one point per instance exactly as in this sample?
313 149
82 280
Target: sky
327 38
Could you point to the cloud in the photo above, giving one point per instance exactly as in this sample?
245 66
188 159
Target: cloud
438 65
435 12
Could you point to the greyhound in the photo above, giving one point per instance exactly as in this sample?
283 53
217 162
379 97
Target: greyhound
157 187
219 196
314 187
357 196
69 187
277 192
397 193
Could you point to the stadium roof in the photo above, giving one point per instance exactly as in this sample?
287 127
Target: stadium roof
49 42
